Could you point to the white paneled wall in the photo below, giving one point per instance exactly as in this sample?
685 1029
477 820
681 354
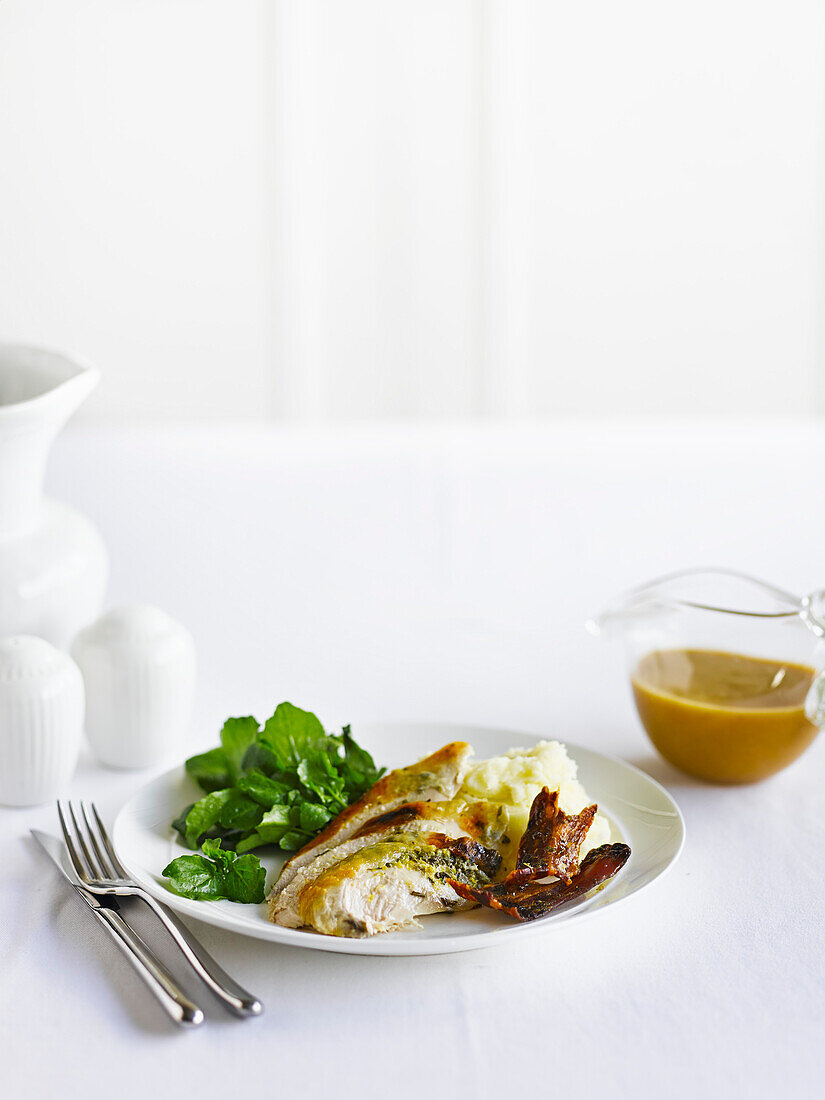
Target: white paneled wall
333 209
377 200
134 213
662 205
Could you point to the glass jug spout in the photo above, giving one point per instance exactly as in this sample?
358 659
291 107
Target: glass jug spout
726 591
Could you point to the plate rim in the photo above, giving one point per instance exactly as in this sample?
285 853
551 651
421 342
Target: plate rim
386 945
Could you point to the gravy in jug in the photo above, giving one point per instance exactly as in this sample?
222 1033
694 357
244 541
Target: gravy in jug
724 717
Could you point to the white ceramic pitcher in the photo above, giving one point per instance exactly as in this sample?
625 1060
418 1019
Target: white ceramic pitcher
53 564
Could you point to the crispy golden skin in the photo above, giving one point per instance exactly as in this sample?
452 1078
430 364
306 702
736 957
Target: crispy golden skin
480 820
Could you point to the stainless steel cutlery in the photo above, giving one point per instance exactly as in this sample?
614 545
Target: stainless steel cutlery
91 865
146 964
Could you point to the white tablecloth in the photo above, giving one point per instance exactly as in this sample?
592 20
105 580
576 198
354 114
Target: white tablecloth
445 574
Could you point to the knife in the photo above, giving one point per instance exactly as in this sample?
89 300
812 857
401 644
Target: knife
145 962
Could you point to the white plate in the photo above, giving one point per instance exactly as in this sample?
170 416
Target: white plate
641 813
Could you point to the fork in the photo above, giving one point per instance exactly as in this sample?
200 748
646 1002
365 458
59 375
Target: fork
101 872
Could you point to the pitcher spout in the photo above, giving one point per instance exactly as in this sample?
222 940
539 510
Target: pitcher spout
39 391
37 384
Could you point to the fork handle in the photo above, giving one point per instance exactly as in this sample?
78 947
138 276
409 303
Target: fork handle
176 1004
234 996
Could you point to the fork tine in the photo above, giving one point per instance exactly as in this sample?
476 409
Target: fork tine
103 863
74 854
83 844
121 870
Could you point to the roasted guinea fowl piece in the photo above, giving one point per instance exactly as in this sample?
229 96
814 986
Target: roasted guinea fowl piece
388 884
481 822
530 900
552 839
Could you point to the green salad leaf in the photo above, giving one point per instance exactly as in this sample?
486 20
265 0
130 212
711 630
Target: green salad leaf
217 874
279 785
263 790
209 770
237 735
293 735
204 815
319 775
358 767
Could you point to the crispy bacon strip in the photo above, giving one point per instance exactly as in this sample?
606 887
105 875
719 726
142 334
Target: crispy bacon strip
568 834
551 841
528 901
532 850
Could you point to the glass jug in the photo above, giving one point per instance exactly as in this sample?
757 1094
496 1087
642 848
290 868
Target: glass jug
726 670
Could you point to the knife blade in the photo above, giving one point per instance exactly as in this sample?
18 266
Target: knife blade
148 966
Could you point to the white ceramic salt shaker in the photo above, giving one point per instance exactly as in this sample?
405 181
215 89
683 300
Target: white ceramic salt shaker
41 720
138 665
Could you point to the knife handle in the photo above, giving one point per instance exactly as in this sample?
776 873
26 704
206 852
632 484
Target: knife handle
150 969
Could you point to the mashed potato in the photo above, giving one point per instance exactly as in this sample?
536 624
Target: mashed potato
514 779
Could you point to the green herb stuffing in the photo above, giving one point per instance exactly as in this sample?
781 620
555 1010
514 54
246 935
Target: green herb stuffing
409 853
439 866
277 785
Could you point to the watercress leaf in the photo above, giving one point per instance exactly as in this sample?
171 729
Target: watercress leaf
277 815
240 812
244 880
272 826
228 837
217 874
262 789
295 815
194 877
293 840
212 850
269 834
209 770
237 735
318 775
334 748
179 824
359 768
313 817
204 814
260 756
291 733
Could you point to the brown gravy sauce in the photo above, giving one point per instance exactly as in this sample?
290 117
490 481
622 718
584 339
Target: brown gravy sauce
724 717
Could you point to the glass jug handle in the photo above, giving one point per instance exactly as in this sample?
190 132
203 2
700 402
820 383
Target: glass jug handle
815 701
812 612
